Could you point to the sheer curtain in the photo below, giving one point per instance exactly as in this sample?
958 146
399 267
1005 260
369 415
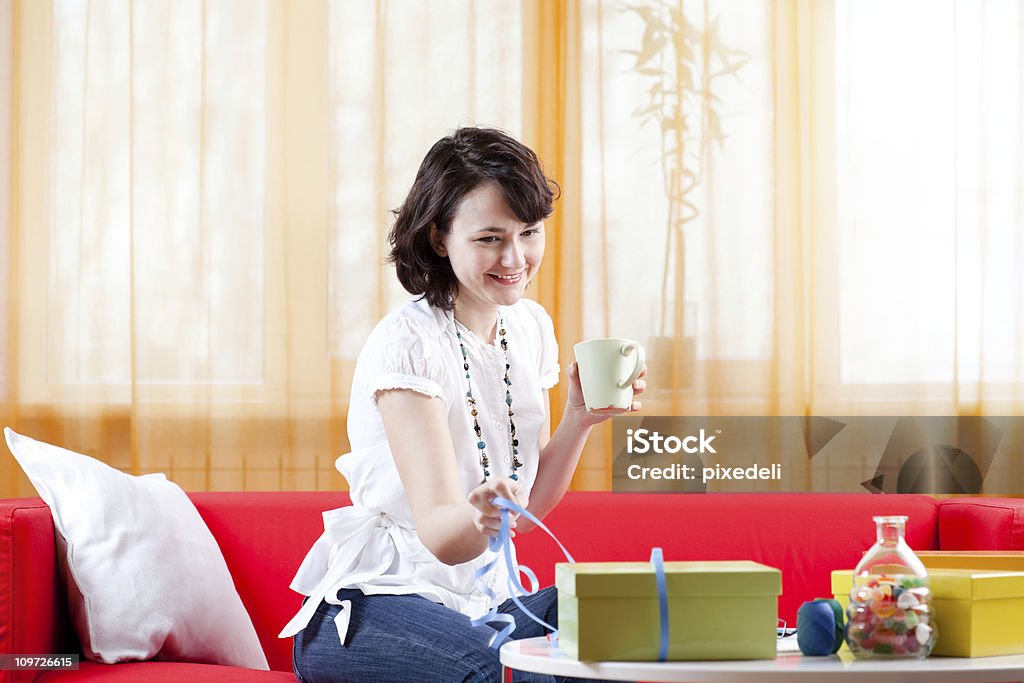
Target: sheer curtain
201 196
148 282
842 233
799 207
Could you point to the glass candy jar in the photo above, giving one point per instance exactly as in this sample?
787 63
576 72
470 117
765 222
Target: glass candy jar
890 604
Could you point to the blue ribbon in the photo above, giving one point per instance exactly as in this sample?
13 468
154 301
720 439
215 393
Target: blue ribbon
659 574
502 544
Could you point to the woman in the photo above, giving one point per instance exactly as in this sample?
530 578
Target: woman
449 409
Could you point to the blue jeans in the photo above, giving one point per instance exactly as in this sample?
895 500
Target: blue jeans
405 638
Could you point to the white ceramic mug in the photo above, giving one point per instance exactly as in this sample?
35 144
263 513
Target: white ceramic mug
608 368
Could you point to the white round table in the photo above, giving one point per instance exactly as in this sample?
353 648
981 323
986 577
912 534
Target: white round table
537 655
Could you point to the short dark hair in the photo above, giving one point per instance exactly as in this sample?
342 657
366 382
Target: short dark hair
455 166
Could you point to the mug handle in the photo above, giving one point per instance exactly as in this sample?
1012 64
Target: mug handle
641 358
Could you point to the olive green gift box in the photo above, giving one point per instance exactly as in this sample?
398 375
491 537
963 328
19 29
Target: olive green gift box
608 611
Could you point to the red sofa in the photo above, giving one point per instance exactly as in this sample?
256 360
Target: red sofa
265 535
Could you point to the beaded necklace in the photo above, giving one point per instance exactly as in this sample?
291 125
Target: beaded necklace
481 445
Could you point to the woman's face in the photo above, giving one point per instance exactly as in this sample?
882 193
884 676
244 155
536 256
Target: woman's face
494 255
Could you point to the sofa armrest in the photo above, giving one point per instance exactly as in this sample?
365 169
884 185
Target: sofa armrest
981 524
33 611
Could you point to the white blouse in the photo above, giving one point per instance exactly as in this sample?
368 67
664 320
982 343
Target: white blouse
372 545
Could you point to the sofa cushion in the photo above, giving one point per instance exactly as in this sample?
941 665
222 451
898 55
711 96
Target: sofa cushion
144 576
33 611
981 524
264 537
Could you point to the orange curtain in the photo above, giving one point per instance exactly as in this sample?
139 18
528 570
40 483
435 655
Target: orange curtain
194 204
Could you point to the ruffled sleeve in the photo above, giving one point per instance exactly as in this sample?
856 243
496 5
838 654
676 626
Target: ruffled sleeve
402 354
547 359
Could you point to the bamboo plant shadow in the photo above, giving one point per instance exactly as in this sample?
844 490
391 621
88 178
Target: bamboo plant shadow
684 63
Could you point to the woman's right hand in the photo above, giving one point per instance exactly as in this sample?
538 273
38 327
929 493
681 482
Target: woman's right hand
486 515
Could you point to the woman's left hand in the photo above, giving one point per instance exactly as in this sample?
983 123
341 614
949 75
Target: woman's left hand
578 406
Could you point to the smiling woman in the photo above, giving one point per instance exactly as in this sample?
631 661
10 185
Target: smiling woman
492 253
476 192
449 409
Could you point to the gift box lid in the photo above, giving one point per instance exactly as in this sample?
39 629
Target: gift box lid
955 584
1002 560
636 579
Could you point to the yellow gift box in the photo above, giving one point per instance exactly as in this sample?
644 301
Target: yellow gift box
978 613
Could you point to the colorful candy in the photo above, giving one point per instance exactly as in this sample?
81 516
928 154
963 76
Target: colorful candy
889 616
907 600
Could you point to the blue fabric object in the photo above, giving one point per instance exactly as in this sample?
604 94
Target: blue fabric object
659 572
819 627
502 544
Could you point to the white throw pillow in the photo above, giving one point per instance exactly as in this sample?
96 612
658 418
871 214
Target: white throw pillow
145 576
